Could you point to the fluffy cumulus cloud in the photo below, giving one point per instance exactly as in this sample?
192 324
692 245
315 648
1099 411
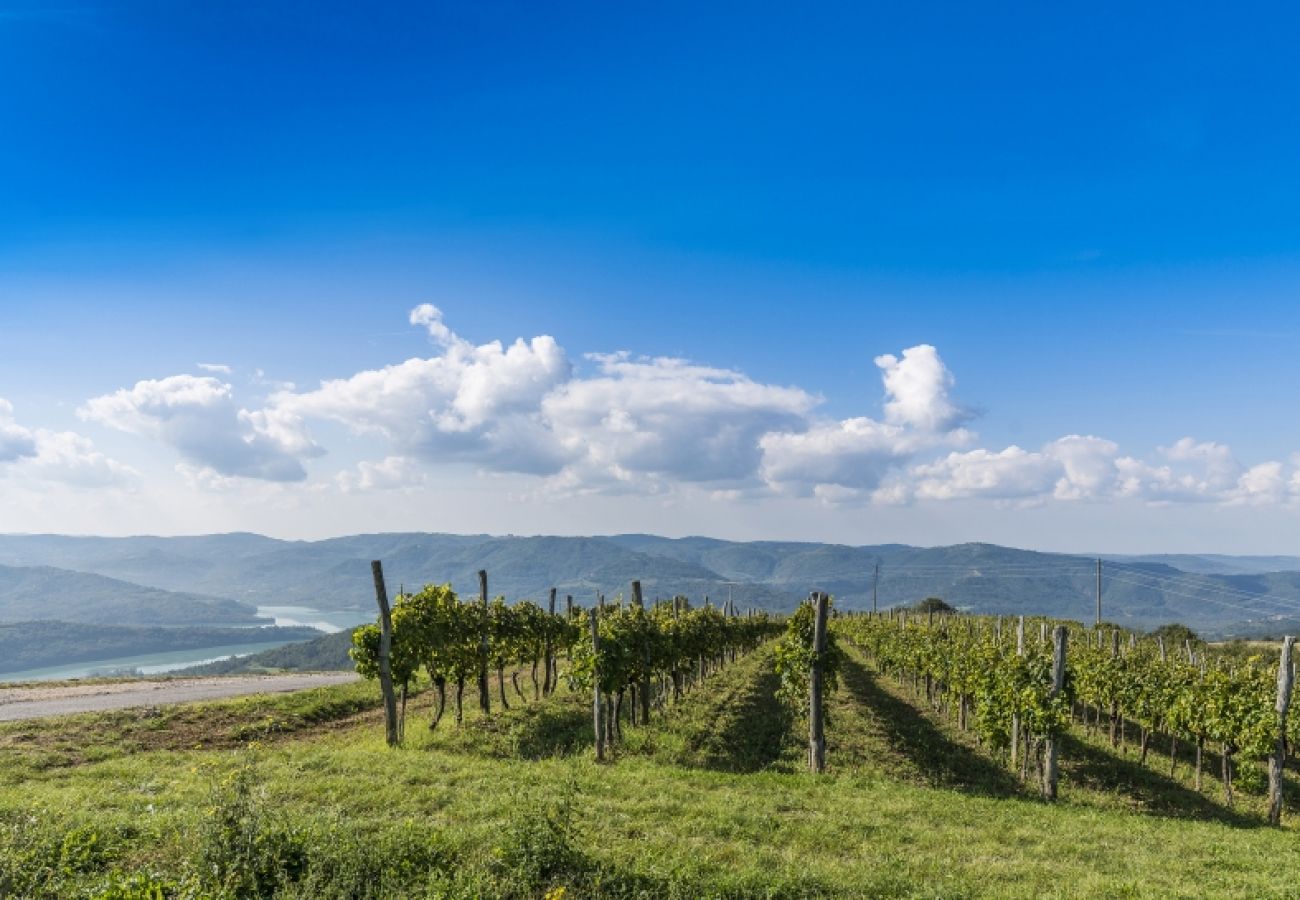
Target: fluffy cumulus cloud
198 416
917 390
390 473
468 403
614 423
843 460
1075 467
15 442
1187 471
669 419
851 455
39 454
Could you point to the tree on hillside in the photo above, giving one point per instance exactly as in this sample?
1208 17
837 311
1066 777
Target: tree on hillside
934 604
1175 634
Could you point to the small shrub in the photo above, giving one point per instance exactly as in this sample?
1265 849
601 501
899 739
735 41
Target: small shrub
243 852
539 844
1251 778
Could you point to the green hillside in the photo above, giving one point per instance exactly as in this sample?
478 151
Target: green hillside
324 653
1216 595
28 593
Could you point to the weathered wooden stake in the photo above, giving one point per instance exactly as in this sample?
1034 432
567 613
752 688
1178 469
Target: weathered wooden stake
643 689
1015 717
817 727
484 692
547 661
1285 678
597 719
385 652
1052 749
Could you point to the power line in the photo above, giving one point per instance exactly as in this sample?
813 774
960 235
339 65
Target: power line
1166 590
1287 605
1198 581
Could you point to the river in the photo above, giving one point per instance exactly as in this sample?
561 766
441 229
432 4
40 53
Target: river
324 620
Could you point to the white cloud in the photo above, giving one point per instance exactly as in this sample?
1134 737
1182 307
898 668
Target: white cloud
199 418
59 456
16 442
1075 467
855 453
620 424
839 461
1012 473
669 419
70 458
1087 466
390 473
917 390
478 404
1191 472
215 368
1263 484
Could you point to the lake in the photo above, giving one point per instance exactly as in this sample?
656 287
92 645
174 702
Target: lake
325 620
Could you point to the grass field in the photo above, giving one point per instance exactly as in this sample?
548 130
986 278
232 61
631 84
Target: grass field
297 796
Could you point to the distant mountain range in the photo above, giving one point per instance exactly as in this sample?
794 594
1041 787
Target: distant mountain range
197 580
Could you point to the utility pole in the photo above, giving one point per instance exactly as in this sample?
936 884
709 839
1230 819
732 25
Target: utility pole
1099 590
875 583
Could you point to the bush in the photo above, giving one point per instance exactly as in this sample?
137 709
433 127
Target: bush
242 851
538 847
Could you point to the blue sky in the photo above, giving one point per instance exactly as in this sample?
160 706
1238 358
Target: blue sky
1089 213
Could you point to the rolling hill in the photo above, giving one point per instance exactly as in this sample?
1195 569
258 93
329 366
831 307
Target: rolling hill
1215 594
43 592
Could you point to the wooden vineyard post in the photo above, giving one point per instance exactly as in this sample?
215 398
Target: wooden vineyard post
1285 678
1052 749
597 719
816 726
1015 716
548 685
385 652
643 687
484 694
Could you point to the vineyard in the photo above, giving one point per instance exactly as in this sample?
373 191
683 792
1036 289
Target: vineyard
638 747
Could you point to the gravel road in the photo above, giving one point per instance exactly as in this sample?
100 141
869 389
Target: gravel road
39 702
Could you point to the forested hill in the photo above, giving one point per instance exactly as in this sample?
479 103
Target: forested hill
45 592
1213 593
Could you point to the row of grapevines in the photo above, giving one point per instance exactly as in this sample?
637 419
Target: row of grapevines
970 660
794 657
436 631
1230 702
668 647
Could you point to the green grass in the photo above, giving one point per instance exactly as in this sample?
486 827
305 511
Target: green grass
708 801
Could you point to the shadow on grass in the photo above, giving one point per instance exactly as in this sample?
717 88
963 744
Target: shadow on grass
942 761
555 726
750 730
1089 766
